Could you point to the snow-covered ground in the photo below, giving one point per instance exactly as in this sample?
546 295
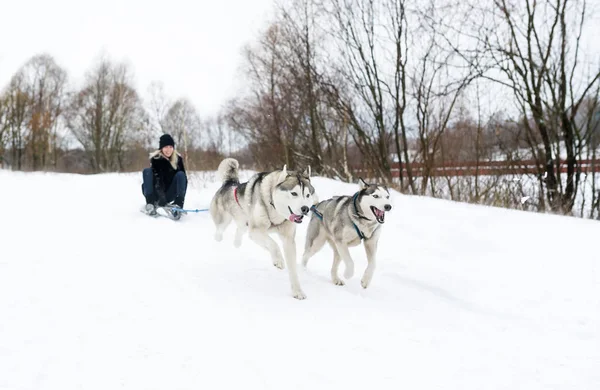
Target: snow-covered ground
96 295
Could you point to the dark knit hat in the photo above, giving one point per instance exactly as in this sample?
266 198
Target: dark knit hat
166 140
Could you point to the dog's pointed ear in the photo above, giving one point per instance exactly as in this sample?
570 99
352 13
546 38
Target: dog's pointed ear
307 172
362 184
283 174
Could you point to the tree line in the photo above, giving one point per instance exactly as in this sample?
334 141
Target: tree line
356 88
370 86
103 126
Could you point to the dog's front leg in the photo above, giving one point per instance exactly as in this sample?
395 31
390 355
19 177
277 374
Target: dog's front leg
262 238
289 251
371 251
345 255
334 269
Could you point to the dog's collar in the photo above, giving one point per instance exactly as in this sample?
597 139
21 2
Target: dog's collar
354 198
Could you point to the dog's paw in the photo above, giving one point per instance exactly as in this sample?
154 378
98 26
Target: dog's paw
338 282
279 263
367 277
299 294
237 243
218 237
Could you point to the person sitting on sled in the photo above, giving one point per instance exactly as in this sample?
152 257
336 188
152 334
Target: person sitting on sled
165 182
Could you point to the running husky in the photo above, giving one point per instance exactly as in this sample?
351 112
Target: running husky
346 221
268 202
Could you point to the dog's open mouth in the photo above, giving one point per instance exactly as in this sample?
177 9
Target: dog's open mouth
294 217
379 214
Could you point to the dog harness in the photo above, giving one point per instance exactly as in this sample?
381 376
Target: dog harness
316 212
356 207
360 234
320 216
235 195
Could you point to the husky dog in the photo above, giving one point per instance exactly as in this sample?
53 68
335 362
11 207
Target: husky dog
268 202
346 221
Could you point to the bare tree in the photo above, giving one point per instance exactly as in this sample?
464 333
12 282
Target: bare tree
106 116
257 115
587 126
33 104
299 25
17 102
3 131
157 105
358 35
318 125
534 49
45 82
288 112
399 33
183 123
440 77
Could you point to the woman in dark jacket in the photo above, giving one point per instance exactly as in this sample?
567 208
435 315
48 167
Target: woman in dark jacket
165 181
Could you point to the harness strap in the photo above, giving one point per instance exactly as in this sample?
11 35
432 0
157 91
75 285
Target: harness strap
316 212
360 234
235 195
320 216
354 198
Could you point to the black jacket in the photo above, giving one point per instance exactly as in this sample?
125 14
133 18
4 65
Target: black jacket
164 171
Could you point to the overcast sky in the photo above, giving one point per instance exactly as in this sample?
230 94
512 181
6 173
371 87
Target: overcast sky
193 47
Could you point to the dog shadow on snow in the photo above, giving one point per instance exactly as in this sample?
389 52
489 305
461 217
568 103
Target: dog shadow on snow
446 296
384 291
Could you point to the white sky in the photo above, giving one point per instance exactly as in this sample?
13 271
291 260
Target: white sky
193 47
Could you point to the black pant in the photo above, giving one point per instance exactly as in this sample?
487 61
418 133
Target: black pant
175 192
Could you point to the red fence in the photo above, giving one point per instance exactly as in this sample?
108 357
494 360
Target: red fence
491 168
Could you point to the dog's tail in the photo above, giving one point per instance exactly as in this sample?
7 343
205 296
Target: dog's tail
228 170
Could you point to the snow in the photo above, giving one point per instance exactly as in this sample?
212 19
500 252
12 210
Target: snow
96 295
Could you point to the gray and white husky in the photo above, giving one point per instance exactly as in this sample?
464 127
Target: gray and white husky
347 221
268 202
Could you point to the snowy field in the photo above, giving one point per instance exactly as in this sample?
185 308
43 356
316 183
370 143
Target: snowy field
96 295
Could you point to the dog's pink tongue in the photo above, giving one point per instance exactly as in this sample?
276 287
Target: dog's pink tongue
379 213
295 218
